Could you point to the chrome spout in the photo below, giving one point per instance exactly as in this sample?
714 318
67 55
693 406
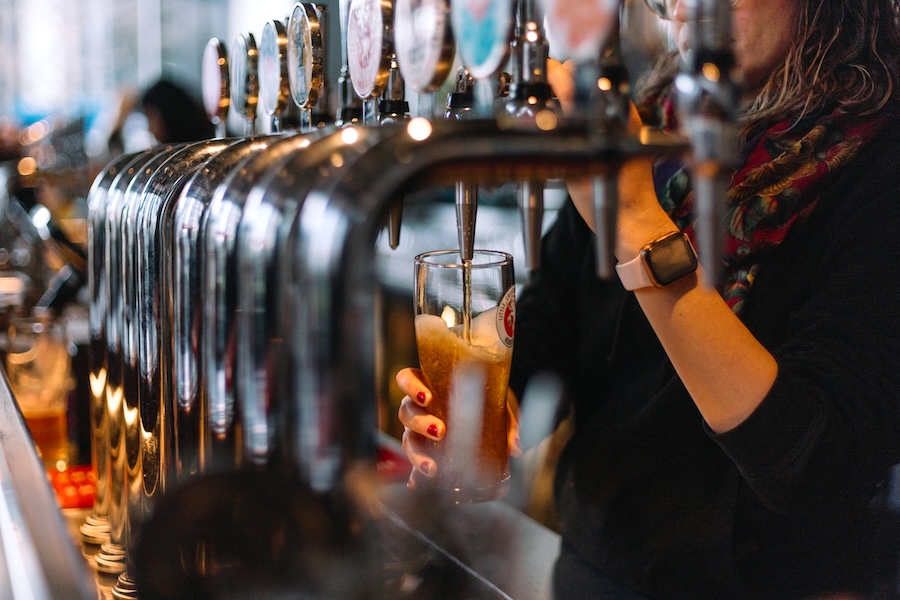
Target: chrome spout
147 439
259 331
460 105
182 263
530 199
95 529
466 198
222 421
120 378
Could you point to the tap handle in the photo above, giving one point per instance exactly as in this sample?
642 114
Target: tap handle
215 84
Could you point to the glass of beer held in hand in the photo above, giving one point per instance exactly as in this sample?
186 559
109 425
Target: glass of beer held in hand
465 322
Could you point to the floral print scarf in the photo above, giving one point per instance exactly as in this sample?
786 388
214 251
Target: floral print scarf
777 188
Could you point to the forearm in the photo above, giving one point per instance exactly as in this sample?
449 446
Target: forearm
724 368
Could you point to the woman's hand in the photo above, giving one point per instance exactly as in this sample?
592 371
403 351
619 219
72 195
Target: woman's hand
421 429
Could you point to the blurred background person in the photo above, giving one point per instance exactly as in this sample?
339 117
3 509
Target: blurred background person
173 115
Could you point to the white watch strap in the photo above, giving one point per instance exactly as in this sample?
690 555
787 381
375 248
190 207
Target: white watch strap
633 274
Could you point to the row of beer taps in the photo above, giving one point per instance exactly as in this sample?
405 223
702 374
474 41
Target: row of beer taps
232 281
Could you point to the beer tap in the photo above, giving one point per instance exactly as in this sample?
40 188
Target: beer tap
610 119
215 84
460 106
482 41
95 529
305 58
393 108
601 100
148 435
350 109
181 289
244 78
530 104
370 50
274 87
121 356
423 59
708 99
483 44
461 101
424 46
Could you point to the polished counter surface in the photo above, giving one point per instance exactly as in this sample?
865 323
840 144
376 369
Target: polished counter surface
38 558
483 551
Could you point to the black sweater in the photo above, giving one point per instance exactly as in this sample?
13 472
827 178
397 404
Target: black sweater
781 505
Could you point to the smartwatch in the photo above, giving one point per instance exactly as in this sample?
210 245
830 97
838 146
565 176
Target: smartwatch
659 263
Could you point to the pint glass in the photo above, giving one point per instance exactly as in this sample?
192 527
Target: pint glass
465 322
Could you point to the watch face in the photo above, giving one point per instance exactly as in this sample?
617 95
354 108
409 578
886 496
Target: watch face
670 259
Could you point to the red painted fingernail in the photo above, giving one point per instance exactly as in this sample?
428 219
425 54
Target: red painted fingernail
425 467
432 430
420 396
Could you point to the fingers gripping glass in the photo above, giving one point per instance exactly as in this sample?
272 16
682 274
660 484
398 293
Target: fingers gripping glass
665 9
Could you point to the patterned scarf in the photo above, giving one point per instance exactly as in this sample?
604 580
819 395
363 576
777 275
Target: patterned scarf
785 171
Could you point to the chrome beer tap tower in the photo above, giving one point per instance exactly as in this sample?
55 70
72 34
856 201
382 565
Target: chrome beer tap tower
233 282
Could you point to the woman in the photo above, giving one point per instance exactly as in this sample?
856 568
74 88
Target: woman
731 443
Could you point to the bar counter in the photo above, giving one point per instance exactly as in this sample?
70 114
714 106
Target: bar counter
488 550
38 558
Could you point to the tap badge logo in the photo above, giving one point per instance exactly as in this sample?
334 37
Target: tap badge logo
506 317
364 40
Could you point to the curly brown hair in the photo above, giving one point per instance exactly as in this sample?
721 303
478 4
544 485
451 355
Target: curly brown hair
846 57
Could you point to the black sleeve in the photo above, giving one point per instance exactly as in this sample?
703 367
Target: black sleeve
829 428
545 328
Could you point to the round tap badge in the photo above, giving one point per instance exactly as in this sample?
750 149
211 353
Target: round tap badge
273 81
423 40
244 86
482 30
580 28
305 64
506 317
214 81
366 57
